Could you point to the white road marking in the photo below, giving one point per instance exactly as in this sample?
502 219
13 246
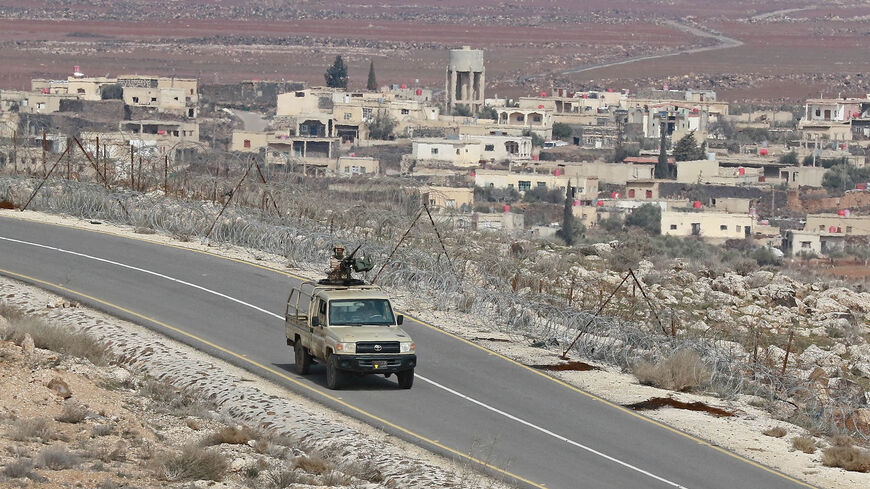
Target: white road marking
424 379
149 272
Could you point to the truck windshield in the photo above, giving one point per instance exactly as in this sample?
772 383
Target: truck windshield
359 312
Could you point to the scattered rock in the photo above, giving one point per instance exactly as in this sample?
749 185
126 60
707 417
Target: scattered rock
60 388
27 344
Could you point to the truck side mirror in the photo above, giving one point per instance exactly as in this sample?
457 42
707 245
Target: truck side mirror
315 321
400 319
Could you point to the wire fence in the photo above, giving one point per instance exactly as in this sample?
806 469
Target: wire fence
531 299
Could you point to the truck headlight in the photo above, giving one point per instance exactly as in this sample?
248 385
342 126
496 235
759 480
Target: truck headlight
345 347
406 347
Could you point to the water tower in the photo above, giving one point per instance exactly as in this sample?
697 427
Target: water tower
466 79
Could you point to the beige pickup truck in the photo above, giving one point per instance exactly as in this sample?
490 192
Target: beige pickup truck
352 329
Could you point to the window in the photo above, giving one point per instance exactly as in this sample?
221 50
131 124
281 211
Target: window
80 91
848 229
806 244
176 99
247 143
367 113
347 169
521 118
511 186
362 170
536 118
649 194
357 312
434 151
191 91
631 193
524 185
405 111
153 99
347 116
542 184
450 203
175 133
723 227
135 100
673 226
489 147
457 151
298 94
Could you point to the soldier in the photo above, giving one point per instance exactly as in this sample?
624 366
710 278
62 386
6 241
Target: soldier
336 271
337 257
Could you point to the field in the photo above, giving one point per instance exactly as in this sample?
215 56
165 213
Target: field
798 52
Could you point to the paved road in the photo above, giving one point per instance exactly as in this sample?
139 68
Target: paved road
252 121
465 400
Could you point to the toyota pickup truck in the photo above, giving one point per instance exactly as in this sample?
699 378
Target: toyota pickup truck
352 329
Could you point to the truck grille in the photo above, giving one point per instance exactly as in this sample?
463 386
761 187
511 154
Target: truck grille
377 347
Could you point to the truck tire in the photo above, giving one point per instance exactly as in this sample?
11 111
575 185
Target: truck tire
303 359
406 378
334 375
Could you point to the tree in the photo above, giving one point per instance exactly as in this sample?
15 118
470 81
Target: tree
336 75
789 158
536 140
381 126
647 217
111 92
487 112
687 149
462 111
372 84
562 131
568 233
662 169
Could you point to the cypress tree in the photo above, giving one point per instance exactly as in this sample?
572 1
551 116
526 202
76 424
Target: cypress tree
568 233
336 75
372 84
662 170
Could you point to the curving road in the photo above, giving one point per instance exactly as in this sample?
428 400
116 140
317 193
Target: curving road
466 401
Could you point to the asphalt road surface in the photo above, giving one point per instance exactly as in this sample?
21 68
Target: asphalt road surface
466 401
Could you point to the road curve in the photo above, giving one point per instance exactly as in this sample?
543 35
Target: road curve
466 401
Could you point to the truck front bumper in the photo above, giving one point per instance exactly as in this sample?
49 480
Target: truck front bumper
376 364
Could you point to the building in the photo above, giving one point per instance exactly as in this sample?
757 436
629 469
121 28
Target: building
714 226
456 152
249 141
642 189
158 130
32 102
357 165
812 242
802 176
517 121
733 205
841 224
165 94
460 198
585 188
465 84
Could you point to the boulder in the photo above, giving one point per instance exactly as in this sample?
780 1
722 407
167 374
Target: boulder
815 356
730 283
60 388
27 344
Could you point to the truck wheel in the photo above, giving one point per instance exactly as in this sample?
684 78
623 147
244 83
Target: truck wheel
334 376
406 378
303 359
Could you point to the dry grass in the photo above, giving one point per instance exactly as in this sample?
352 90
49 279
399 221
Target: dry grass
233 435
18 468
684 371
73 413
193 463
312 464
102 430
842 454
110 453
335 478
54 338
804 444
776 432
38 429
174 401
280 479
57 458
366 470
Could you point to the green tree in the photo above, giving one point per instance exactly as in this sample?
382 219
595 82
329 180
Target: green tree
562 131
487 112
381 126
112 92
687 149
462 111
789 158
336 75
662 169
568 233
536 140
372 84
647 217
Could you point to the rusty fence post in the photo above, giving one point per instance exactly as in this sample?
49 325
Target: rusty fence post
787 351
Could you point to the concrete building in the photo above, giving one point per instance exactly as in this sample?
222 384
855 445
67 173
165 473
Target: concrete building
812 242
834 223
714 226
357 165
456 152
612 173
460 198
32 102
249 141
585 188
161 130
515 121
166 94
642 190
466 79
732 204
802 176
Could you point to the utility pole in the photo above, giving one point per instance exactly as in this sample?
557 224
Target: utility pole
15 151
44 163
68 159
131 167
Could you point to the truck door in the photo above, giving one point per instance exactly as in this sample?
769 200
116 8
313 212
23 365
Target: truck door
318 333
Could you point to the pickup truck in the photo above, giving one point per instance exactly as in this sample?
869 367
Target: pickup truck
352 329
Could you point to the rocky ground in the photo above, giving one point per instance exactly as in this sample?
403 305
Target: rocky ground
107 404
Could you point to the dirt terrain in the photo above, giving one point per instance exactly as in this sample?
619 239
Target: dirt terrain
787 44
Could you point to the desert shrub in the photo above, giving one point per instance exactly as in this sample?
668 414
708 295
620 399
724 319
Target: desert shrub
18 468
745 266
647 217
73 412
32 429
57 339
173 400
365 470
683 371
102 430
844 455
335 478
765 257
776 432
312 464
804 444
280 479
144 230
233 435
192 463
57 458
611 224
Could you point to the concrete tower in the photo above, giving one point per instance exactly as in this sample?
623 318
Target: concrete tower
466 79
